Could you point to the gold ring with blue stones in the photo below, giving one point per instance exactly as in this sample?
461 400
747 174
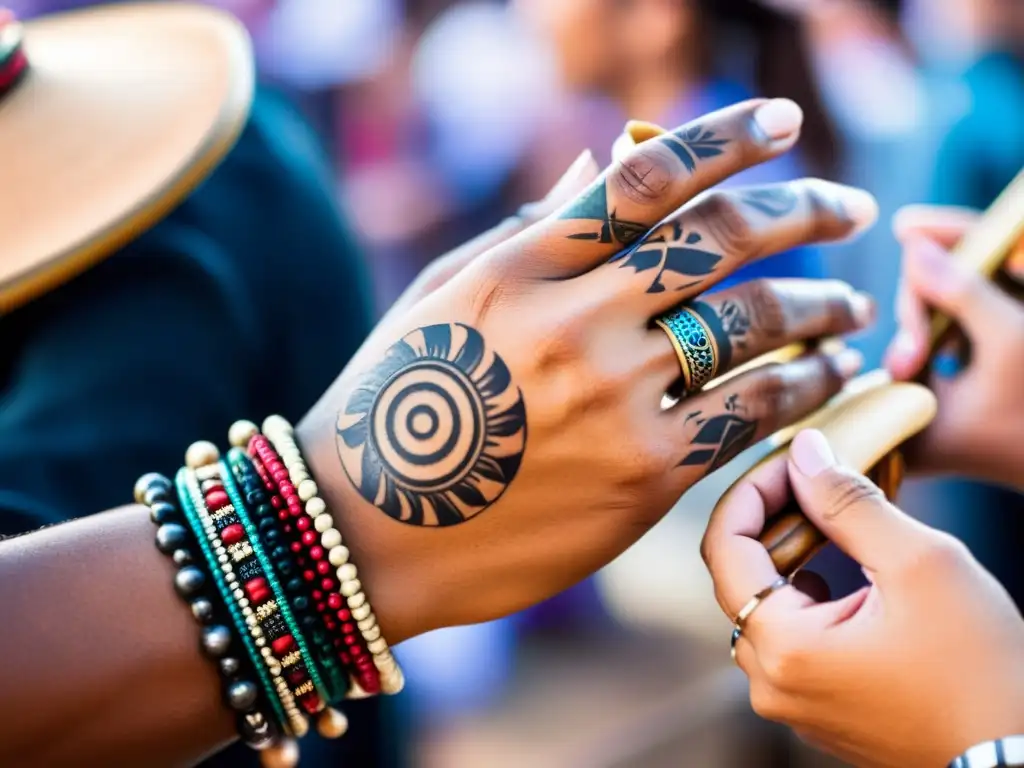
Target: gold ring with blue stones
694 344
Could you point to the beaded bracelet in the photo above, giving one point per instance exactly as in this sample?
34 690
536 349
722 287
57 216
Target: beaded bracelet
258 603
281 434
352 648
286 565
313 695
216 554
172 539
254 596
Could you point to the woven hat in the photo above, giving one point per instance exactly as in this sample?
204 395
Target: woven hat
109 116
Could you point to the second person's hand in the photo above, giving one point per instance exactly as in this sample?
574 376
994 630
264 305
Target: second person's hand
981 404
912 670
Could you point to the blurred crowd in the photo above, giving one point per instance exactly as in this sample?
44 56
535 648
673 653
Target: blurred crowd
444 116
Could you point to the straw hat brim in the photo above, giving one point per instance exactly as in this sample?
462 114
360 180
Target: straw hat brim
122 112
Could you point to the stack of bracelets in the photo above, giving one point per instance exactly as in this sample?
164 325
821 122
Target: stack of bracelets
271 585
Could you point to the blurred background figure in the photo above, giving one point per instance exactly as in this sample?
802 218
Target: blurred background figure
977 157
668 62
441 117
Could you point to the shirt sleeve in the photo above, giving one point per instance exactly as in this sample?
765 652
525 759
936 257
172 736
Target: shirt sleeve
113 374
247 300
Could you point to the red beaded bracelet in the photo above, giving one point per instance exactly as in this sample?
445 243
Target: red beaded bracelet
312 560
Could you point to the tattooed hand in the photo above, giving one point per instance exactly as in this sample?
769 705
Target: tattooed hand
503 437
981 400
578 177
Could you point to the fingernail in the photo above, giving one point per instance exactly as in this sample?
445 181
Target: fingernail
848 363
861 208
863 308
779 119
811 453
903 346
831 346
569 178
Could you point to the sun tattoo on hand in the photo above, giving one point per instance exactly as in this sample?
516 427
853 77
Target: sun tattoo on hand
435 432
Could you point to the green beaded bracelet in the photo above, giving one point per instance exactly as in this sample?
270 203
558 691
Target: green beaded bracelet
329 664
192 515
241 510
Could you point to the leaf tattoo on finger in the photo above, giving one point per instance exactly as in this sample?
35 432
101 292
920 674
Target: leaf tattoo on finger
667 250
775 202
693 143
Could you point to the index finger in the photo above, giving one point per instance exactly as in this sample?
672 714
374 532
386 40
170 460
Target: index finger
740 566
653 179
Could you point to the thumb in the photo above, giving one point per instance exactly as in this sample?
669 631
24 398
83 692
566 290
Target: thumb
849 509
973 301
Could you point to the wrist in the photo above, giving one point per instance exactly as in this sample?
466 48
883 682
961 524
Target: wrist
998 715
385 552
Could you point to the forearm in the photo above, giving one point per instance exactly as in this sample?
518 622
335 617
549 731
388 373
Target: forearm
101 659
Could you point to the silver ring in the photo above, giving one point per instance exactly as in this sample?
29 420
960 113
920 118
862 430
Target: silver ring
752 605
736 632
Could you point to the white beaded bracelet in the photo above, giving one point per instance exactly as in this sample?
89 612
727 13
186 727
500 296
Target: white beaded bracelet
281 435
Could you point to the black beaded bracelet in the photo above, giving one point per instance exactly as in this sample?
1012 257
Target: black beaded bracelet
192 584
284 562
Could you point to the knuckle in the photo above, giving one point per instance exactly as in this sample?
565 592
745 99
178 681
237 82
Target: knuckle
769 307
490 293
827 220
838 310
728 225
850 490
782 663
765 701
770 393
644 176
942 553
561 345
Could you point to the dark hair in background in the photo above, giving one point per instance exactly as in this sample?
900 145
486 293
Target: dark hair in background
778 59
772 50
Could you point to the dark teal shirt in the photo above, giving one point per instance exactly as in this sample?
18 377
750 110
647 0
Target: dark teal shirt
247 300
985 148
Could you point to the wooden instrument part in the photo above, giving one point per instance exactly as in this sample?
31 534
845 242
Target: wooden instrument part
864 436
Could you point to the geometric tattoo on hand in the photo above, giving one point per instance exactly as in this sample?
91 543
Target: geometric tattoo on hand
720 438
435 432
592 205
